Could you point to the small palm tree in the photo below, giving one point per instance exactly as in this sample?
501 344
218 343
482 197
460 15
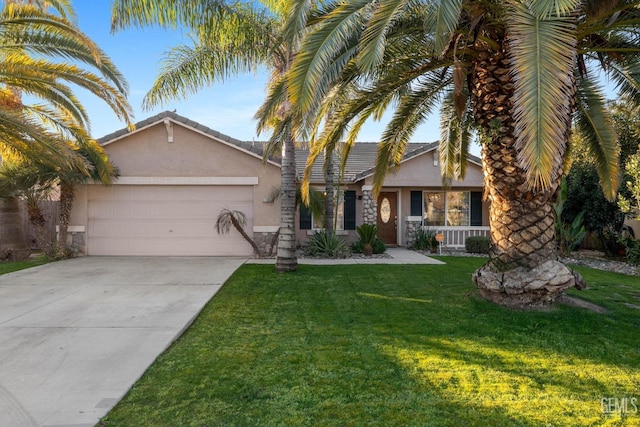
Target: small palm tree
238 220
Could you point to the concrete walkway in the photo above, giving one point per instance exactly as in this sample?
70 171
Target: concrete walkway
75 335
398 256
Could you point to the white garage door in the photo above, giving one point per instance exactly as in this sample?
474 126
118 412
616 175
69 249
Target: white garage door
165 220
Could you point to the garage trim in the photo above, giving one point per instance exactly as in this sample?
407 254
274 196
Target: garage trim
186 180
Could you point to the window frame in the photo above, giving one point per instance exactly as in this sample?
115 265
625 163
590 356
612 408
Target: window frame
446 209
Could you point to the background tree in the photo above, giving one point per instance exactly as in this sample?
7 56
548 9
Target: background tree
229 38
44 55
518 73
602 217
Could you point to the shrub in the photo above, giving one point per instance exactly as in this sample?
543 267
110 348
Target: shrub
425 240
368 242
327 245
632 250
377 245
477 244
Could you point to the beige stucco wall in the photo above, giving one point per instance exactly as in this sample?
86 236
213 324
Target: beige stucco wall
421 172
147 153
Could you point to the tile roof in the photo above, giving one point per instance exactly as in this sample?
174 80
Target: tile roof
360 162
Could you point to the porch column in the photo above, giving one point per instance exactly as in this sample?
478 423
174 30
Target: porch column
369 206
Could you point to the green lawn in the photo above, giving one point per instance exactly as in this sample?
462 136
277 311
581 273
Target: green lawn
392 346
9 267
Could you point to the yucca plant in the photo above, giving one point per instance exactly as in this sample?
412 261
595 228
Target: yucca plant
327 245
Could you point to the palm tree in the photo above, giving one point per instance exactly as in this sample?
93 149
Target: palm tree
35 50
23 179
517 74
229 38
228 218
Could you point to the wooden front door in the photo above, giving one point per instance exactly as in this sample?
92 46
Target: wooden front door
388 218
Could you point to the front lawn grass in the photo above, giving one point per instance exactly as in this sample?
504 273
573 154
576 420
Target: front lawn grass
393 346
11 266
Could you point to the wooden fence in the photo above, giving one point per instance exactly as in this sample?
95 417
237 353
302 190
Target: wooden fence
50 210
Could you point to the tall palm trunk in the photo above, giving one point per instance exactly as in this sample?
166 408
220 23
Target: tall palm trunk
13 243
523 268
286 259
39 224
328 200
67 195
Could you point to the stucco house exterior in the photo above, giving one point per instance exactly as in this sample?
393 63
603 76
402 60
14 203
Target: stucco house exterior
176 176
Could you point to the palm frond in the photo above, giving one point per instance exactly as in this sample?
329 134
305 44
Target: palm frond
594 123
441 21
543 58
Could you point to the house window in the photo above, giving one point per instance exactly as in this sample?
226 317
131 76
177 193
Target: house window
452 208
434 209
345 214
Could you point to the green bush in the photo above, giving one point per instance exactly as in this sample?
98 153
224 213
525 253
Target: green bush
425 240
368 235
378 247
632 250
323 244
477 245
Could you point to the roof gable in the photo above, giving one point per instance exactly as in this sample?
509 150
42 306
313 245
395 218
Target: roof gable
168 118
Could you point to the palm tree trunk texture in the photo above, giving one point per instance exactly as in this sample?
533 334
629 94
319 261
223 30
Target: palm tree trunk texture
66 203
523 268
286 258
244 235
328 200
39 224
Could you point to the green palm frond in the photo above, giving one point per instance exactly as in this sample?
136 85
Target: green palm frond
543 58
545 9
626 77
594 124
314 68
373 41
187 69
441 20
164 13
455 138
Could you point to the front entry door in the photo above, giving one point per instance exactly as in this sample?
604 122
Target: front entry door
388 218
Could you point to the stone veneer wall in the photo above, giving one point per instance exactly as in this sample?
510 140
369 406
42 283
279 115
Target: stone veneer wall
369 208
76 243
263 240
411 228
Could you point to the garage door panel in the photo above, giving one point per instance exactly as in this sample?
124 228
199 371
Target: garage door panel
169 247
165 220
158 210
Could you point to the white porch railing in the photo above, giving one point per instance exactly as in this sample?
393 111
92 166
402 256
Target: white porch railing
454 237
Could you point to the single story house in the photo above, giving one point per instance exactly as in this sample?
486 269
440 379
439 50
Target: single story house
176 176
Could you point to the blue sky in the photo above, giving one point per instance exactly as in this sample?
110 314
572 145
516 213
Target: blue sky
228 108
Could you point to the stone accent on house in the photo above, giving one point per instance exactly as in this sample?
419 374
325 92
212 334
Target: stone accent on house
369 207
263 241
411 228
76 243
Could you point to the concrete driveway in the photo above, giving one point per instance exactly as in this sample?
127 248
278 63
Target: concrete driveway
75 335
